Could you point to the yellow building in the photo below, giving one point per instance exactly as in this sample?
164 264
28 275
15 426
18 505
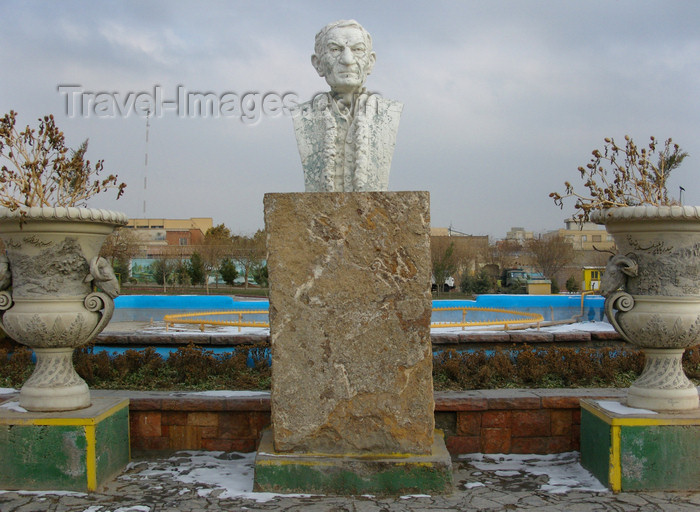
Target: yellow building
159 234
201 223
586 237
519 234
591 278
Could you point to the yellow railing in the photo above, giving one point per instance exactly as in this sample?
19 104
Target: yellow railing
201 318
527 318
196 318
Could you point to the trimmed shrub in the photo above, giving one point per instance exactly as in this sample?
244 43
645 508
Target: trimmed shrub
247 367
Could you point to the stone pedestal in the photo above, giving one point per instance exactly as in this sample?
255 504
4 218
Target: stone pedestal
345 475
350 308
640 451
70 451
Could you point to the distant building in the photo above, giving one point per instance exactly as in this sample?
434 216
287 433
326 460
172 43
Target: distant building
468 249
585 237
591 278
439 232
519 234
161 236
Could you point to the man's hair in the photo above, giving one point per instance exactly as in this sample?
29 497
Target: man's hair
319 47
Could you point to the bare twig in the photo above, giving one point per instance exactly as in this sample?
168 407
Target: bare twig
624 176
40 170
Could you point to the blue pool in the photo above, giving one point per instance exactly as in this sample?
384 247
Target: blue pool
147 307
552 307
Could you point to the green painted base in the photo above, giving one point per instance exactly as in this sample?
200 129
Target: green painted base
71 451
641 452
351 475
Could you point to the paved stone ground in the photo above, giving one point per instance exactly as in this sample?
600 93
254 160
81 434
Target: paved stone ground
173 483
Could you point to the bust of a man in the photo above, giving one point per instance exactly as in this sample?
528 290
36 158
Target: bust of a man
346 137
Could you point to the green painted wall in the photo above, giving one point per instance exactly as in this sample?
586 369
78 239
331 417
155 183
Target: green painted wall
392 479
43 457
660 457
112 444
595 446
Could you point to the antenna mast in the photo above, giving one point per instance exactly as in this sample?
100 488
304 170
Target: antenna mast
145 169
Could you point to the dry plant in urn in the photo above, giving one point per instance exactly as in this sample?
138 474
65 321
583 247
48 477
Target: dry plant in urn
652 286
51 266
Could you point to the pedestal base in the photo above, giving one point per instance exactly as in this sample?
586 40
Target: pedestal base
663 385
55 385
71 451
378 474
640 451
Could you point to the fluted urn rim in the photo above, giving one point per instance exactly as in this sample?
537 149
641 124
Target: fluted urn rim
70 213
646 212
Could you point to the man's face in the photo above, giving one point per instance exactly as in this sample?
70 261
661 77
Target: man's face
345 61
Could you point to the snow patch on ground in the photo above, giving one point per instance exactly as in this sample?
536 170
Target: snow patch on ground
189 330
563 469
231 394
231 473
13 406
618 408
7 391
43 493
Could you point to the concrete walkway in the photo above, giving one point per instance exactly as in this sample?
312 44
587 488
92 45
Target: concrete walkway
213 481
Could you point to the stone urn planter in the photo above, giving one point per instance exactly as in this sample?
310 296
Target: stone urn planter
658 305
53 263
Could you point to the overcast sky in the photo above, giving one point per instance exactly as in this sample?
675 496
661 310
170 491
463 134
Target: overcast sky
503 100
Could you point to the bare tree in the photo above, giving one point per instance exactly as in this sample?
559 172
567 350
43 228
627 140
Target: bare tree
168 267
216 246
466 252
503 253
249 251
443 260
119 248
550 254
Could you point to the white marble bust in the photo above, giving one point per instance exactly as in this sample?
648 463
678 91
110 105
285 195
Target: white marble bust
346 137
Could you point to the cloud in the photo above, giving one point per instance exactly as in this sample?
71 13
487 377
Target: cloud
503 100
159 46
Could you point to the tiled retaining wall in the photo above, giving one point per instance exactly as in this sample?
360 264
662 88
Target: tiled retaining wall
115 335
489 421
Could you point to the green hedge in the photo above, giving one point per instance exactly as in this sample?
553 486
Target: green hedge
193 367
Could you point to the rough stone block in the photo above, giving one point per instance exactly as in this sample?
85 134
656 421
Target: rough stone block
350 310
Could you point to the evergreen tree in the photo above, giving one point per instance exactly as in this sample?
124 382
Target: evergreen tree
228 271
195 269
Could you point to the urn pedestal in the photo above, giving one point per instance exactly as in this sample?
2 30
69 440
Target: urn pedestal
658 305
652 297
52 258
633 450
